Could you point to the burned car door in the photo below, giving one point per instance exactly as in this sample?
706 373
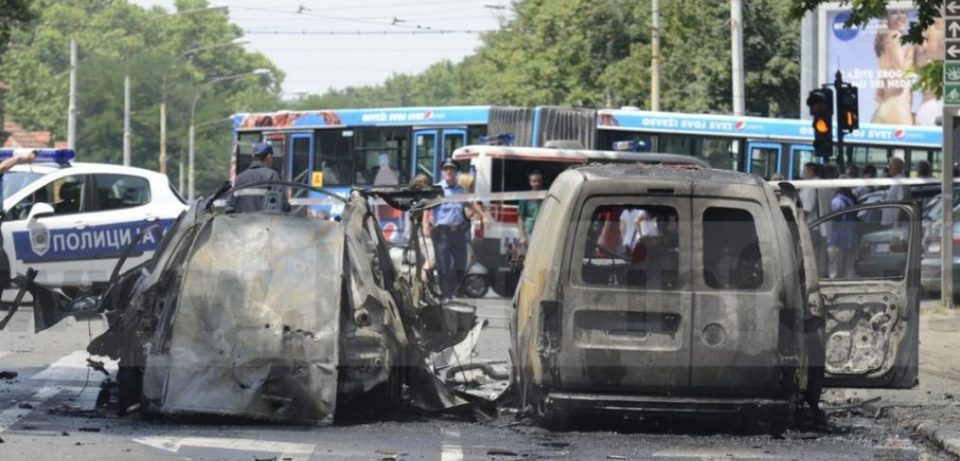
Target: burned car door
735 342
626 312
868 260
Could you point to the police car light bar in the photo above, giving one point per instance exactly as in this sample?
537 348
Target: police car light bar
630 146
47 155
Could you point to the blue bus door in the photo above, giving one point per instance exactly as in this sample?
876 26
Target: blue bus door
299 164
800 154
763 158
425 154
453 139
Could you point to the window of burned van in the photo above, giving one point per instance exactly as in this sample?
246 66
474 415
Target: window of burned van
632 246
731 250
870 243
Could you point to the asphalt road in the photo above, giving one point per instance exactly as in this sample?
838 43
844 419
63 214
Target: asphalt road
47 413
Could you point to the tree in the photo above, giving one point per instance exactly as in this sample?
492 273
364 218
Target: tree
117 38
862 11
597 53
14 15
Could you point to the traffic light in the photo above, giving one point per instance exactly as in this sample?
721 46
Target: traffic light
820 102
848 109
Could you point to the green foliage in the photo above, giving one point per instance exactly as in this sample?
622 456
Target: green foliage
597 53
117 38
14 15
931 74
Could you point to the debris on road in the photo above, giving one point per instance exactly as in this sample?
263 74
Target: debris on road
8 375
276 315
89 429
501 452
25 405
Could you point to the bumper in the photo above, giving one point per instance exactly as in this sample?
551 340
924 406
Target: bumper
663 406
930 274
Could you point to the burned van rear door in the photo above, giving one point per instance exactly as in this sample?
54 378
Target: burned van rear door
626 309
868 258
735 339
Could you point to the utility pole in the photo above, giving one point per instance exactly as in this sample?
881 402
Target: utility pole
126 119
72 99
736 54
655 57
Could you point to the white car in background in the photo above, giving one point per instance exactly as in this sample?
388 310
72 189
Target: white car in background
73 223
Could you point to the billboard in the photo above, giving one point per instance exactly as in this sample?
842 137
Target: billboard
872 58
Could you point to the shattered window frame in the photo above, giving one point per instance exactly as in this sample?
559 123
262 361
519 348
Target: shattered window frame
680 205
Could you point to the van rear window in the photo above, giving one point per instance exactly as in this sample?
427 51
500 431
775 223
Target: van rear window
632 246
731 250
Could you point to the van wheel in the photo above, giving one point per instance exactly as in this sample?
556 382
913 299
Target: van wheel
551 417
476 286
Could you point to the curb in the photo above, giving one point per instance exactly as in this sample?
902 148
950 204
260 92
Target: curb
944 438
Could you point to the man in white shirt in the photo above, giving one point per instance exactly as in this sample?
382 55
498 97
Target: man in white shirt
896 193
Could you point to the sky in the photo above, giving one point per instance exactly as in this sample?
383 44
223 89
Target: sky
315 63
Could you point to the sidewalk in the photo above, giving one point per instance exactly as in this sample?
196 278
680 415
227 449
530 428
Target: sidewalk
937 417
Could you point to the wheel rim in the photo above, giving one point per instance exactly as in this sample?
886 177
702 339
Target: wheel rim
475 286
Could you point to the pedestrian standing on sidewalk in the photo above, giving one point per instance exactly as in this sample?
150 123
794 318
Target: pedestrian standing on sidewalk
842 241
527 210
447 225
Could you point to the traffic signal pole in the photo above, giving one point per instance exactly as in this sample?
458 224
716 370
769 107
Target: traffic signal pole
838 89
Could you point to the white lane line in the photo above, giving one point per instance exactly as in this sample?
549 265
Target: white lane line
73 367
4 354
728 453
12 416
451 450
291 451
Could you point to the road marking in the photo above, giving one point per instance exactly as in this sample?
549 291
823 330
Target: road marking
730 453
451 451
291 451
73 367
4 354
12 416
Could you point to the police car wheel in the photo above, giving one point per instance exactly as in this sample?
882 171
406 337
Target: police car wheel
476 286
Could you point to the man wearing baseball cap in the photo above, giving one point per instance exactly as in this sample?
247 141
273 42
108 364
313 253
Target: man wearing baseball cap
260 170
447 227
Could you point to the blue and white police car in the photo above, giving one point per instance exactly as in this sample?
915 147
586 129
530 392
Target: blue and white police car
72 223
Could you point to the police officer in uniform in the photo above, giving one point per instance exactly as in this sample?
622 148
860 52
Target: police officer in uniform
251 199
447 226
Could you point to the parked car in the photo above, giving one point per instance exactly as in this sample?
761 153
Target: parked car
721 309
931 264
72 223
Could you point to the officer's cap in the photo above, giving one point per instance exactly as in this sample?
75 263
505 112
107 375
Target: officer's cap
262 149
450 164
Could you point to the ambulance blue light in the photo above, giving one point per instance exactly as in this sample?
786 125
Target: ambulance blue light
505 139
61 156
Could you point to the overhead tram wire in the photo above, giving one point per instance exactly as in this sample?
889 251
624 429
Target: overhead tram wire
366 32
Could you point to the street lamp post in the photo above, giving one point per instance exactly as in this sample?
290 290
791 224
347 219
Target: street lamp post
193 115
162 160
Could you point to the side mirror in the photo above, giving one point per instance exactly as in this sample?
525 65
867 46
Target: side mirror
40 210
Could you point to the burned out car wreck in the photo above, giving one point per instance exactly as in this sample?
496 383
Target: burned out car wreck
276 315
658 291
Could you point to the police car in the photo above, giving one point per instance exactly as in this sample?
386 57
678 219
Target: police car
72 223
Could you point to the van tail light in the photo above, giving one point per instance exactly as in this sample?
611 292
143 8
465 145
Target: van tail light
956 240
478 229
